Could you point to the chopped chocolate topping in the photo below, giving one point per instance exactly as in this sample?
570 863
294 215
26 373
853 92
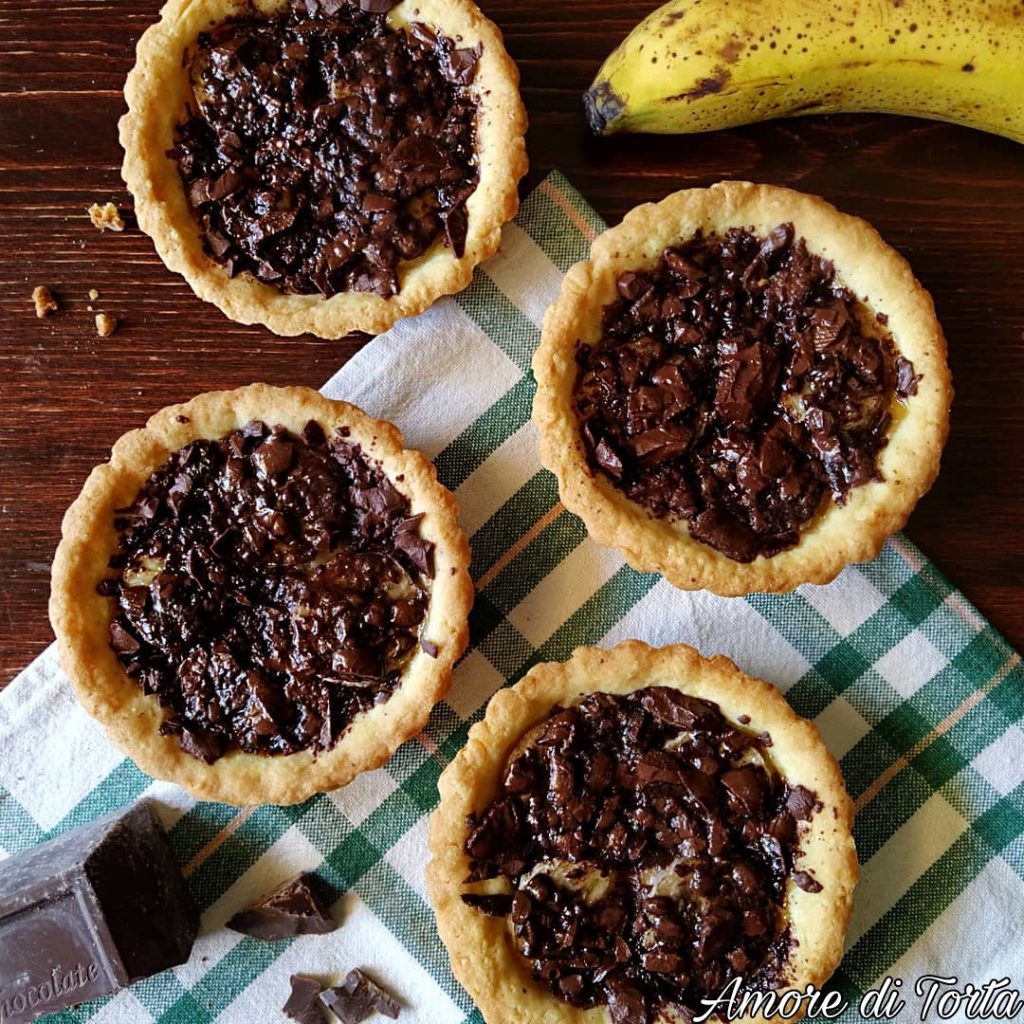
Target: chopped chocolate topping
268 588
328 146
304 1002
292 910
738 385
359 996
644 843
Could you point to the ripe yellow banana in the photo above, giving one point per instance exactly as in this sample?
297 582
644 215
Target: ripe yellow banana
699 65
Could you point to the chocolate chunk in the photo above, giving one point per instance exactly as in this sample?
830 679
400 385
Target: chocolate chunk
122 640
419 550
677 708
89 913
801 803
747 785
304 1002
806 881
456 226
272 457
329 146
462 63
626 1003
608 459
358 997
203 746
719 530
687 402
614 788
492 905
906 379
292 910
497 827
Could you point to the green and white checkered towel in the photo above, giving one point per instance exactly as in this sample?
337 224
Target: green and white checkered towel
919 698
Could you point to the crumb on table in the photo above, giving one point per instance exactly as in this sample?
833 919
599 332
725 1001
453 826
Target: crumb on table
106 217
44 300
93 294
105 325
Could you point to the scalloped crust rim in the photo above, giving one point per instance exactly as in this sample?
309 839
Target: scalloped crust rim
872 270
158 92
81 617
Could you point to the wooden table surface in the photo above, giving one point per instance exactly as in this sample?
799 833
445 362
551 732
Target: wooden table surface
951 199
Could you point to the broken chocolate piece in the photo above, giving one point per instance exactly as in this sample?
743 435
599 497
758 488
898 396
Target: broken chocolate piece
291 911
738 385
329 146
613 800
304 1002
358 997
90 912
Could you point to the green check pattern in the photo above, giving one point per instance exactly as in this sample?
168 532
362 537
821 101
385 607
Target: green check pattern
917 695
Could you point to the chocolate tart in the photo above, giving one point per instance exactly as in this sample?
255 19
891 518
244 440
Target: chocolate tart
323 165
742 389
627 833
261 594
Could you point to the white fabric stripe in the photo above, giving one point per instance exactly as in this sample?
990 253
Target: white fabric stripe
902 860
559 595
523 273
433 375
494 481
714 625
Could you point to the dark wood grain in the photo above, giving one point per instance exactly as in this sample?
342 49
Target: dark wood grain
951 199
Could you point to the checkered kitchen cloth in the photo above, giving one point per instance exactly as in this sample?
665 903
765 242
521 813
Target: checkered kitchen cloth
915 693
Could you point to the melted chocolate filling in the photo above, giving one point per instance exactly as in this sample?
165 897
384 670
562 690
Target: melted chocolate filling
738 385
329 147
269 587
646 842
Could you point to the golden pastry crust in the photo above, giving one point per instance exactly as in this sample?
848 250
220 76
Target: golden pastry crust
481 948
158 91
873 271
81 617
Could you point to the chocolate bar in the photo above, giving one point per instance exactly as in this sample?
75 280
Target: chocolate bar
90 912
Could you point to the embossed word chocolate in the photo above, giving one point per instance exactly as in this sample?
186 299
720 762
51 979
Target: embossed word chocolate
738 385
268 587
328 146
89 912
648 842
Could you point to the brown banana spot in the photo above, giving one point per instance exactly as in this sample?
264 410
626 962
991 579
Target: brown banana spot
705 86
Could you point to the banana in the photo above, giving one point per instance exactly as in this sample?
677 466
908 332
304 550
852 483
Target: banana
700 65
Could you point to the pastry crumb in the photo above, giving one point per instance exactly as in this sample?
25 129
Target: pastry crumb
44 300
93 294
106 217
105 325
